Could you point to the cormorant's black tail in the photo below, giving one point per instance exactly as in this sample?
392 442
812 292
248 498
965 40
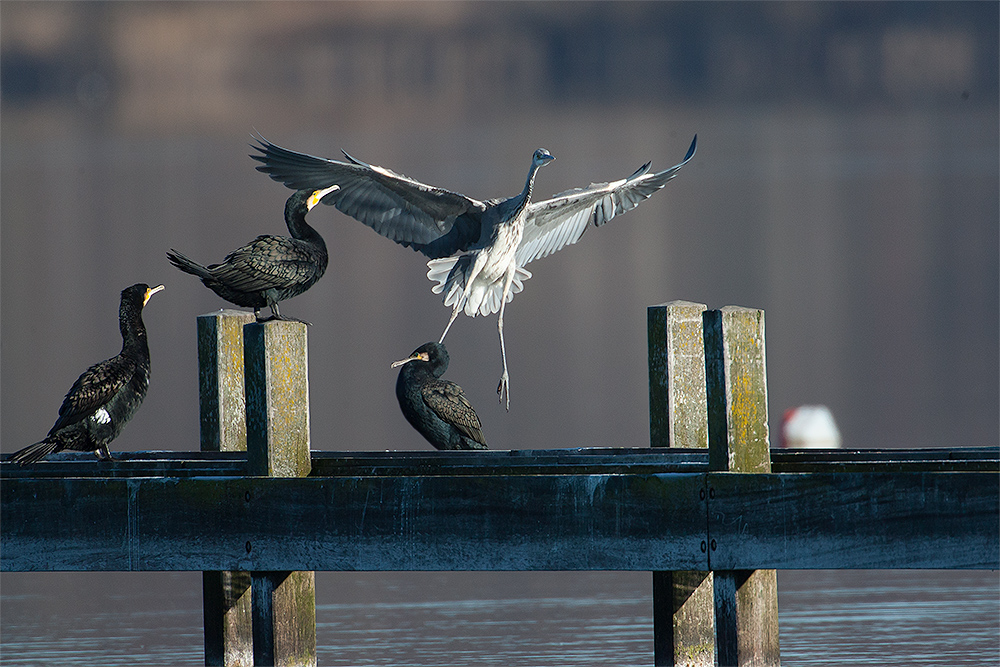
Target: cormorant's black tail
34 452
188 266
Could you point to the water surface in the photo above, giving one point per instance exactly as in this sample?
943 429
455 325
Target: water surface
892 618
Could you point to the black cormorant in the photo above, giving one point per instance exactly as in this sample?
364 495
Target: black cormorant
269 269
478 249
105 397
437 408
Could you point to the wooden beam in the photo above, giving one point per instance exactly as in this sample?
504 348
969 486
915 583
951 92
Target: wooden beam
677 395
277 390
603 522
855 520
746 602
486 463
736 377
523 522
222 406
276 364
683 605
221 398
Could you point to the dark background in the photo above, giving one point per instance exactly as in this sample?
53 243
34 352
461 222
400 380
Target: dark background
846 182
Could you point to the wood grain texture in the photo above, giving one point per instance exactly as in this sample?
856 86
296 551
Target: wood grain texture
222 407
746 603
277 390
276 367
736 376
588 522
683 607
822 520
220 380
855 520
580 461
677 416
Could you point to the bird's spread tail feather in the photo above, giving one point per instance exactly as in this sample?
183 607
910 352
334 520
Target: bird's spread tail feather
187 265
34 452
449 273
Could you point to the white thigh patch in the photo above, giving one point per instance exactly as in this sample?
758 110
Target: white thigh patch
101 416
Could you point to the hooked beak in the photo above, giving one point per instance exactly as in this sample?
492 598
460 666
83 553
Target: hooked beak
317 196
413 357
150 291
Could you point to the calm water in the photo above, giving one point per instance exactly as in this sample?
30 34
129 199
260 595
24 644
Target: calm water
827 618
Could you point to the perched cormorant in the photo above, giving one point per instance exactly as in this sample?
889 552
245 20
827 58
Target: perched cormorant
437 408
269 269
478 250
105 397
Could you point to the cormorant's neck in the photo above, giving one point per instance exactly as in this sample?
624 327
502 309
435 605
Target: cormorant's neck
133 331
295 220
416 372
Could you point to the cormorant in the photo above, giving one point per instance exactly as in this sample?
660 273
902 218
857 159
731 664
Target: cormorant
478 249
105 397
269 269
437 408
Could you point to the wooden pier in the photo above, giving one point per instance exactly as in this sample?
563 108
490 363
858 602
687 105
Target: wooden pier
709 509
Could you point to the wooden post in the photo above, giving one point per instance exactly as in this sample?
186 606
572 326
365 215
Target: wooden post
226 595
683 608
277 397
746 601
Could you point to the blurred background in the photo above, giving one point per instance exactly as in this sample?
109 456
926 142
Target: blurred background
846 182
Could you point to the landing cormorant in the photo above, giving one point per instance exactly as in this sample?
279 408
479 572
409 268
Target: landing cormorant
437 408
105 397
269 269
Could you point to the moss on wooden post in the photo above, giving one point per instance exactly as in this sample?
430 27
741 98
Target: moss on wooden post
277 391
746 601
225 595
683 607
677 412
220 380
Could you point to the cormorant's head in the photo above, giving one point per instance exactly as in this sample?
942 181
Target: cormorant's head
150 291
139 294
434 354
317 196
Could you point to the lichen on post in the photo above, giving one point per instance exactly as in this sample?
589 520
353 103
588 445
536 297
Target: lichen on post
222 403
277 391
746 601
683 608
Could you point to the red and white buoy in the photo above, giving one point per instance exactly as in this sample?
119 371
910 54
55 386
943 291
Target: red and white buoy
809 427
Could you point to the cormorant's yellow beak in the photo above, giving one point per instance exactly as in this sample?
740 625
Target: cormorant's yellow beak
150 291
423 356
317 196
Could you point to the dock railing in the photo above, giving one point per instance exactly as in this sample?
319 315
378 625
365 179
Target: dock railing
709 509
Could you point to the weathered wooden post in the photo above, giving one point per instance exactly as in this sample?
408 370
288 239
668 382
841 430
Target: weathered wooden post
255 397
277 400
683 606
226 595
746 602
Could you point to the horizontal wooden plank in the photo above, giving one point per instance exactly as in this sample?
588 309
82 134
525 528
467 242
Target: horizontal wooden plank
395 463
854 520
578 461
955 459
565 522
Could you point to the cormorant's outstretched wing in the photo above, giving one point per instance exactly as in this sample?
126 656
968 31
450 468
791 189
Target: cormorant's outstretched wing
432 220
94 389
562 220
448 401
